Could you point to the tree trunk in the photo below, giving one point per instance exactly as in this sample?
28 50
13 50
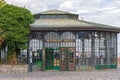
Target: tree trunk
12 58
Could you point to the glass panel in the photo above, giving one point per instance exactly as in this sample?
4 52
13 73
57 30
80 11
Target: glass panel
63 55
49 59
42 16
56 57
52 16
113 49
71 55
83 51
102 48
97 47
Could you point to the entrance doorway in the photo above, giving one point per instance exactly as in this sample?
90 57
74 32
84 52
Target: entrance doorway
60 59
52 59
67 59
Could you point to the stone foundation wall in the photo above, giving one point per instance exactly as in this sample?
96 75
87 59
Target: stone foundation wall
13 68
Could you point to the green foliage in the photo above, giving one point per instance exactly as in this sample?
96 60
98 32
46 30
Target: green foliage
14 25
14 22
2 3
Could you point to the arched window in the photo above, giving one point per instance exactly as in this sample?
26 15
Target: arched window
68 39
67 35
52 39
35 44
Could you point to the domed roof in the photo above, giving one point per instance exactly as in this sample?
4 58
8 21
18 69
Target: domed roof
55 12
56 20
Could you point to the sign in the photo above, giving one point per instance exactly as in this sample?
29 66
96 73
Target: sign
65 40
54 40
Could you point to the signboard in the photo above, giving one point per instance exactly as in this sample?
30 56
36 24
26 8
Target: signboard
65 40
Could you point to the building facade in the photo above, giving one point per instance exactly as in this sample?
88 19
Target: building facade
60 41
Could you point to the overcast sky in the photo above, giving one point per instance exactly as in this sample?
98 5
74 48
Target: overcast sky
100 11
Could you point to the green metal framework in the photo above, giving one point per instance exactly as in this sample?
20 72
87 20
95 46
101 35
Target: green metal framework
94 49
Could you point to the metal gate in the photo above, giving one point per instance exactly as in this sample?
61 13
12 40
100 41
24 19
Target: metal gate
37 60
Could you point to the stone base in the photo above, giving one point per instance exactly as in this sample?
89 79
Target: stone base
13 68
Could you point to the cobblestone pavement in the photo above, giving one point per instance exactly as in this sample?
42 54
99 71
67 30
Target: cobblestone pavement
109 74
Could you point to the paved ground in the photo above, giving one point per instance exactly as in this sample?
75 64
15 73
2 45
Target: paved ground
113 74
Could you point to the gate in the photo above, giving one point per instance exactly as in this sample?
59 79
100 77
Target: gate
37 60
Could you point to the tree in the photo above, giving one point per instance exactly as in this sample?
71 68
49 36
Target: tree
14 24
2 3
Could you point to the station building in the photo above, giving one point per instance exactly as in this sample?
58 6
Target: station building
61 41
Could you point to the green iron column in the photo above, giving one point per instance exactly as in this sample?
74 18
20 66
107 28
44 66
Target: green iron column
29 59
43 56
93 49
116 49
